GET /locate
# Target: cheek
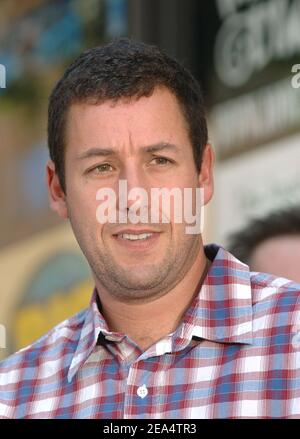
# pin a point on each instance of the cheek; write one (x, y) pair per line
(178, 232)
(83, 205)
(190, 202)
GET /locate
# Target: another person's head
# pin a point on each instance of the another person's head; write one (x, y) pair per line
(127, 111)
(271, 244)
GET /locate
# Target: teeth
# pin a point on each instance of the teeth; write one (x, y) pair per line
(135, 237)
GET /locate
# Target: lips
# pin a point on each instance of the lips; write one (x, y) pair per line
(135, 232)
(135, 236)
(137, 239)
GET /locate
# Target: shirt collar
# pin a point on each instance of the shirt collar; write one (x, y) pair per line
(221, 311)
(94, 324)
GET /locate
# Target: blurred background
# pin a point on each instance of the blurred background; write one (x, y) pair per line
(242, 52)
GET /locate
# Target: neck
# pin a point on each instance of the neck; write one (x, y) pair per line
(146, 323)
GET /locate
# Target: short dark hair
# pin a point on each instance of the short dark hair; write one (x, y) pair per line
(123, 69)
(279, 223)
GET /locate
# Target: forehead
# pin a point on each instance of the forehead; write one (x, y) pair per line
(277, 252)
(136, 122)
(278, 255)
(281, 244)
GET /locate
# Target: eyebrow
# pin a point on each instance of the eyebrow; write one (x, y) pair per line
(104, 152)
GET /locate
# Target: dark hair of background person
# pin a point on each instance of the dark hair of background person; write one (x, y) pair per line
(279, 223)
(123, 69)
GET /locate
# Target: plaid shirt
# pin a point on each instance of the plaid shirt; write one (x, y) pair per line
(235, 354)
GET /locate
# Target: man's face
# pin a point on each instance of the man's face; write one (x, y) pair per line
(109, 142)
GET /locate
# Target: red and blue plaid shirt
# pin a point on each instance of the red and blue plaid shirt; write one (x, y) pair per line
(235, 354)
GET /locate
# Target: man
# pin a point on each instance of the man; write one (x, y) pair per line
(271, 244)
(174, 329)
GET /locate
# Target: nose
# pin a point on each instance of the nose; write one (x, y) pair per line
(134, 181)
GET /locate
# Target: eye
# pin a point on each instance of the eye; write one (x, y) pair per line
(161, 160)
(101, 169)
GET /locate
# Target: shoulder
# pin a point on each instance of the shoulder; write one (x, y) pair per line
(276, 300)
(60, 340)
(267, 287)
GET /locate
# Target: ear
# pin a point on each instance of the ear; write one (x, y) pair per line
(57, 197)
(206, 179)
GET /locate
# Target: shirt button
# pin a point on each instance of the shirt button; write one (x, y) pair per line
(142, 391)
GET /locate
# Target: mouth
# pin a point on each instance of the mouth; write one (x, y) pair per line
(133, 239)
